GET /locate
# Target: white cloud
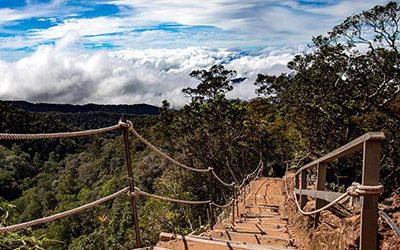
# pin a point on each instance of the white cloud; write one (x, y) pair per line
(63, 73)
(55, 7)
(233, 23)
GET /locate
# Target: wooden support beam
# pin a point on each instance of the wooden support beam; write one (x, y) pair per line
(303, 183)
(135, 218)
(369, 209)
(319, 194)
(354, 145)
(321, 182)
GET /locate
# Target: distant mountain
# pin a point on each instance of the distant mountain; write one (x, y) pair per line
(136, 109)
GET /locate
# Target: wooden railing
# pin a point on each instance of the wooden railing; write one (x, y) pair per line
(370, 144)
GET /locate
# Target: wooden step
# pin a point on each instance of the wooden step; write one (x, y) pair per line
(192, 242)
(256, 227)
(257, 239)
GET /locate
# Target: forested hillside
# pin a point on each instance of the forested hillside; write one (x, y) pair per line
(136, 109)
(348, 84)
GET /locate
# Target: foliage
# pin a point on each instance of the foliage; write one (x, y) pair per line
(348, 85)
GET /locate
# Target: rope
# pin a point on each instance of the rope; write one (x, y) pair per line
(6, 136)
(390, 222)
(250, 176)
(140, 192)
(286, 189)
(54, 217)
(220, 180)
(223, 206)
(355, 190)
(162, 154)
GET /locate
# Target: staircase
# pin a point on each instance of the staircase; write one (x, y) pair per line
(259, 226)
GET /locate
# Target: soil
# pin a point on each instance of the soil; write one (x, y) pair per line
(334, 232)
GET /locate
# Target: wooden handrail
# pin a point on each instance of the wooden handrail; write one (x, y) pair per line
(370, 144)
(354, 145)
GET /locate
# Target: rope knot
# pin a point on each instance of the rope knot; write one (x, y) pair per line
(135, 193)
(123, 124)
(356, 189)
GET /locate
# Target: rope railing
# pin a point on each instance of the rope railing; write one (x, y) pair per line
(58, 216)
(8, 136)
(223, 206)
(220, 180)
(162, 154)
(159, 197)
(355, 190)
(257, 171)
(124, 125)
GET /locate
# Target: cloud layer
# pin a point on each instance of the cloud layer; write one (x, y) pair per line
(63, 73)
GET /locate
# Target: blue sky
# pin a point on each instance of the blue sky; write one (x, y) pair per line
(161, 37)
(111, 24)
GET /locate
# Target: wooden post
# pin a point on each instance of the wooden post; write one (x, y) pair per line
(303, 183)
(237, 201)
(212, 219)
(369, 209)
(233, 203)
(321, 182)
(131, 183)
(296, 183)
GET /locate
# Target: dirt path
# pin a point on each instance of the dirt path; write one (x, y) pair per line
(260, 225)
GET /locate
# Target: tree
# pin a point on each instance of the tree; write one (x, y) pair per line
(347, 85)
(214, 83)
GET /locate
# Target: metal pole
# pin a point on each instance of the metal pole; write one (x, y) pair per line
(135, 220)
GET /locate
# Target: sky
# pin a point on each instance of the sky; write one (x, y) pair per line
(137, 51)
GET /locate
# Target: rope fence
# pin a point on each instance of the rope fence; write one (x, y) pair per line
(355, 190)
(159, 197)
(58, 216)
(162, 154)
(223, 206)
(132, 191)
(220, 180)
(7, 136)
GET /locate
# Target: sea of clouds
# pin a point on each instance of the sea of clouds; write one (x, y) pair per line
(63, 73)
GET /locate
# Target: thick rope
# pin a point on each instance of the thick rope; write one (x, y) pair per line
(162, 154)
(355, 190)
(223, 206)
(6, 136)
(249, 177)
(220, 180)
(140, 192)
(54, 217)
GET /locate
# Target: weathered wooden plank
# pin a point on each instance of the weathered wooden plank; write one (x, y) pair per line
(303, 185)
(369, 209)
(214, 241)
(319, 194)
(354, 145)
(321, 182)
